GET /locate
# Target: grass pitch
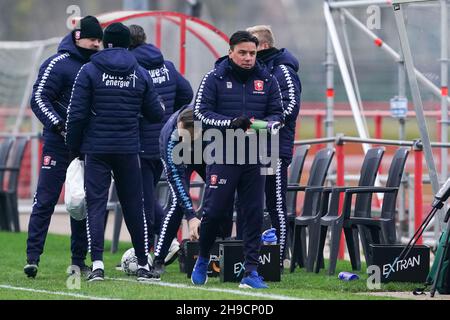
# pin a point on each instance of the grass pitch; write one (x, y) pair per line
(51, 281)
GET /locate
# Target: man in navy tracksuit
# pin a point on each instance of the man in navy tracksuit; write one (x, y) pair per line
(175, 91)
(238, 89)
(109, 95)
(49, 101)
(178, 175)
(283, 66)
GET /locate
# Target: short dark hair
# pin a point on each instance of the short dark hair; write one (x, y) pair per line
(242, 36)
(137, 36)
(186, 117)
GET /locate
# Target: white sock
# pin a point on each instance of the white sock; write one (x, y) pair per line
(144, 267)
(98, 264)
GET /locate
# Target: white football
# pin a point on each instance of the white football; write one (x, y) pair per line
(129, 262)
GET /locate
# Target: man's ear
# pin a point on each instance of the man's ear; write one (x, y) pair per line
(229, 51)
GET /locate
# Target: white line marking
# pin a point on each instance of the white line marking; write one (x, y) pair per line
(238, 292)
(59, 293)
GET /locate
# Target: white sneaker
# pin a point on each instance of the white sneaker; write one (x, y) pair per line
(173, 252)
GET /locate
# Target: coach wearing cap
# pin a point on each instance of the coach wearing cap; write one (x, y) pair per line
(49, 101)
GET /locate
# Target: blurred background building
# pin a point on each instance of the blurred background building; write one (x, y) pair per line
(298, 25)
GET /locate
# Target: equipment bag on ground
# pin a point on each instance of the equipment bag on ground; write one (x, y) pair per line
(74, 197)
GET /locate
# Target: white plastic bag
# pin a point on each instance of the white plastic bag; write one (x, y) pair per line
(74, 196)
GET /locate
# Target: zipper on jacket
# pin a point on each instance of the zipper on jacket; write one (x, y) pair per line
(243, 98)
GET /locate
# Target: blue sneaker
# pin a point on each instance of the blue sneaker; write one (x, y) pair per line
(199, 275)
(253, 281)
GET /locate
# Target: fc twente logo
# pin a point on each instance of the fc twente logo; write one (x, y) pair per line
(259, 85)
(47, 160)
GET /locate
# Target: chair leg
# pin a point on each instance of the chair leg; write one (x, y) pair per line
(313, 246)
(336, 231)
(320, 260)
(15, 212)
(289, 241)
(375, 234)
(298, 248)
(351, 246)
(3, 216)
(366, 240)
(295, 247)
(302, 258)
(357, 249)
(388, 233)
(117, 227)
(8, 212)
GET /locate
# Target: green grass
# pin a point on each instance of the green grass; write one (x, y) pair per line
(52, 277)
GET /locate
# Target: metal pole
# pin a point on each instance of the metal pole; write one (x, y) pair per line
(360, 3)
(183, 46)
(415, 92)
(444, 96)
(158, 31)
(402, 136)
(411, 211)
(329, 67)
(352, 67)
(345, 75)
(340, 182)
(318, 121)
(386, 48)
(418, 194)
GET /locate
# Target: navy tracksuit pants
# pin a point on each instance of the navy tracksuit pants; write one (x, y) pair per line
(276, 187)
(151, 173)
(128, 180)
(275, 194)
(172, 219)
(221, 183)
(51, 179)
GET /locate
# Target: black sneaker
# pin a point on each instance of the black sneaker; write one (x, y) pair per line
(96, 275)
(144, 275)
(84, 270)
(159, 267)
(31, 269)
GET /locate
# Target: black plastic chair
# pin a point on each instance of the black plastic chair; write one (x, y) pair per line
(368, 173)
(294, 175)
(8, 196)
(382, 229)
(362, 217)
(162, 191)
(317, 175)
(5, 147)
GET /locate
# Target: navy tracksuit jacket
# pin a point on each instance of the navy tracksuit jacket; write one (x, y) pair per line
(175, 91)
(178, 177)
(49, 101)
(221, 97)
(284, 67)
(109, 95)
